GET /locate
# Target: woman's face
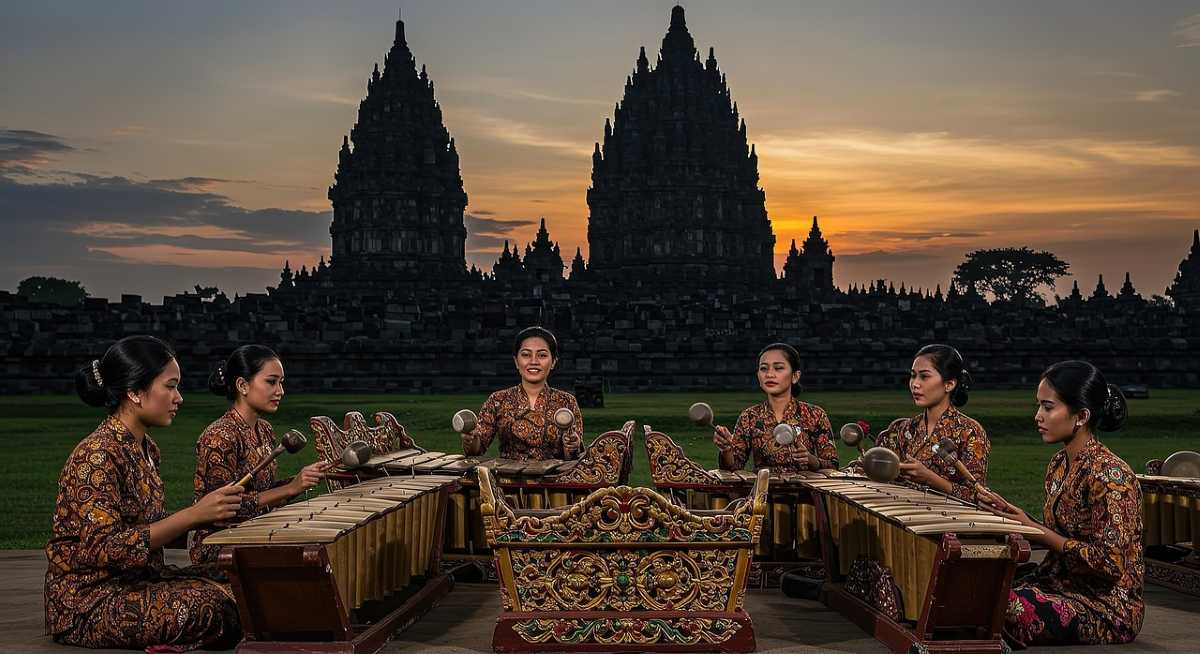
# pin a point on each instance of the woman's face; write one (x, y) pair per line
(533, 360)
(265, 390)
(1055, 420)
(926, 384)
(775, 374)
(157, 404)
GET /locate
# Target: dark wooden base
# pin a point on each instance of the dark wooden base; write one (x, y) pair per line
(470, 568)
(896, 636)
(1182, 576)
(373, 637)
(769, 574)
(642, 631)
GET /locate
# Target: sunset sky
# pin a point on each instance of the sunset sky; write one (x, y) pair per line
(149, 146)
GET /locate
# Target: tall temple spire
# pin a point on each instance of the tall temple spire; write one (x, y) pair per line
(400, 40)
(1185, 288)
(677, 169)
(397, 195)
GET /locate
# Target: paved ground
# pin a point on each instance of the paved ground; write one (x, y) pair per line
(463, 621)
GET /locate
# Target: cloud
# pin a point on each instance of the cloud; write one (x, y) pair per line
(109, 231)
(515, 132)
(487, 235)
(1187, 32)
(1155, 95)
(512, 89)
(20, 149)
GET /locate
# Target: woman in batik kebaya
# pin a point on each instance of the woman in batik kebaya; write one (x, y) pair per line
(106, 583)
(1088, 589)
(230, 447)
(939, 384)
(522, 417)
(753, 435)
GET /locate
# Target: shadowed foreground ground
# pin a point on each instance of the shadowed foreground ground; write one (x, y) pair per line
(463, 621)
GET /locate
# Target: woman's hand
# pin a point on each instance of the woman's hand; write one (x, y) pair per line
(572, 442)
(723, 439)
(805, 457)
(309, 476)
(913, 470)
(470, 445)
(221, 504)
(1005, 509)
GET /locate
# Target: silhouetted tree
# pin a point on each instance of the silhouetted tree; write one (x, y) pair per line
(52, 290)
(1010, 274)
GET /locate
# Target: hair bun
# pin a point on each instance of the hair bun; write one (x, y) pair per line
(217, 383)
(89, 384)
(1115, 411)
(962, 391)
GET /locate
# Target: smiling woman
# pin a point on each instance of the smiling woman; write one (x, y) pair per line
(524, 416)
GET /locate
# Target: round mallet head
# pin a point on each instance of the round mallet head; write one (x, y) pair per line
(293, 441)
(947, 450)
(1182, 464)
(701, 414)
(464, 421)
(881, 464)
(564, 418)
(852, 434)
(784, 434)
(356, 454)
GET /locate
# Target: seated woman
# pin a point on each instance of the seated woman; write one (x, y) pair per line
(1088, 589)
(235, 443)
(106, 583)
(523, 416)
(813, 448)
(939, 384)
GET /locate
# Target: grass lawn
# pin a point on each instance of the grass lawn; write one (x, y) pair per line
(40, 431)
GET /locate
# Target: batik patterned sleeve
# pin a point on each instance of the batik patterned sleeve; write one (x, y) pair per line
(489, 418)
(974, 447)
(822, 440)
(105, 541)
(217, 464)
(1116, 506)
(743, 436)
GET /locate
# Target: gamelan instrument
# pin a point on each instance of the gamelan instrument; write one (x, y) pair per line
(622, 570)
(919, 570)
(1171, 521)
(342, 571)
(292, 442)
(551, 483)
(789, 540)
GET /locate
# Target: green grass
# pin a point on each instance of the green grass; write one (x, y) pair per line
(39, 432)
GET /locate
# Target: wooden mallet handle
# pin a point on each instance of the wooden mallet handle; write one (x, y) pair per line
(948, 451)
(292, 442)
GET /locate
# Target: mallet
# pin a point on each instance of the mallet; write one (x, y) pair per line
(881, 464)
(356, 454)
(292, 442)
(701, 415)
(784, 433)
(853, 434)
(464, 421)
(948, 451)
(564, 418)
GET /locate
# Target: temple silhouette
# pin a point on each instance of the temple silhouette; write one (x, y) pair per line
(680, 290)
